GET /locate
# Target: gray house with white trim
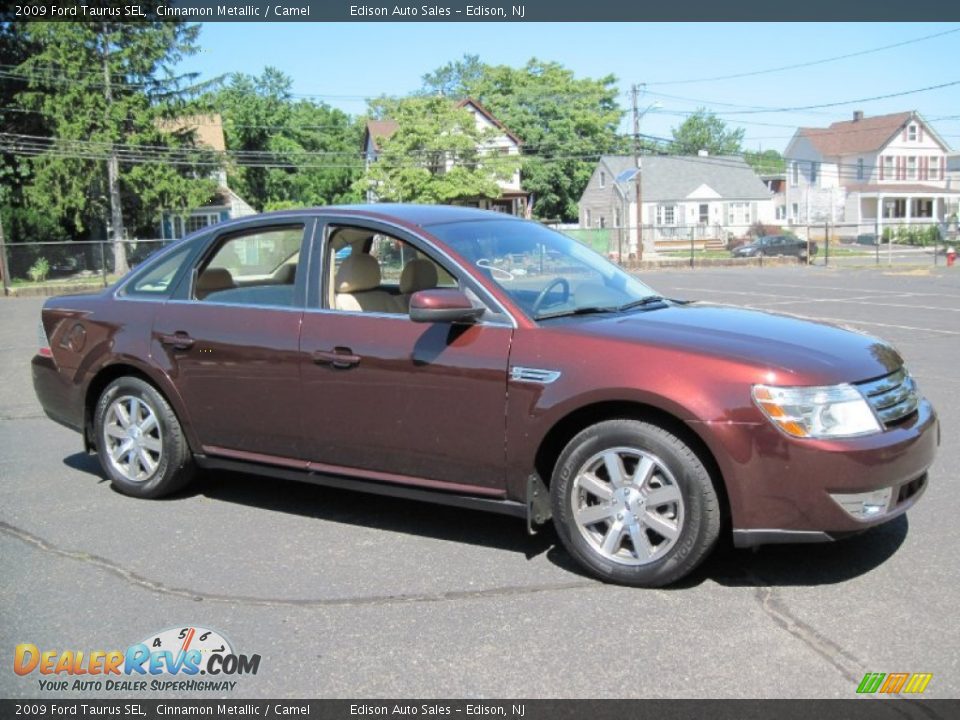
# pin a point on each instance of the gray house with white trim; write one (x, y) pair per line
(707, 198)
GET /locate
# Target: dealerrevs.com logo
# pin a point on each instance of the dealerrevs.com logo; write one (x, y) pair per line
(172, 660)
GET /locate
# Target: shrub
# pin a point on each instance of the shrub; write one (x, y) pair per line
(39, 270)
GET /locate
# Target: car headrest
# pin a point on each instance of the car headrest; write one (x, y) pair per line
(212, 280)
(359, 272)
(418, 274)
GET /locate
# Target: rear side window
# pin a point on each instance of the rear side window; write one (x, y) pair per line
(253, 268)
(158, 280)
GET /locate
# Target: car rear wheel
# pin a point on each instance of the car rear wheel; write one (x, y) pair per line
(634, 504)
(140, 443)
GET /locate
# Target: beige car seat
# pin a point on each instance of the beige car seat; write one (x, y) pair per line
(357, 286)
(418, 274)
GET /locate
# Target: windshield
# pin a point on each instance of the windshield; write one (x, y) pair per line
(546, 273)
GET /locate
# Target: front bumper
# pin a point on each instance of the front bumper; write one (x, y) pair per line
(795, 490)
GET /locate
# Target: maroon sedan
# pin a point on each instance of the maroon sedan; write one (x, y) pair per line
(474, 359)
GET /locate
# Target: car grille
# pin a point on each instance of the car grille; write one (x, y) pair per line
(894, 397)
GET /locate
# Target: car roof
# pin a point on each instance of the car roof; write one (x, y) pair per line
(421, 215)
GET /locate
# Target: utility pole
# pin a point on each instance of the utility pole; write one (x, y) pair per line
(635, 96)
(113, 166)
(4, 265)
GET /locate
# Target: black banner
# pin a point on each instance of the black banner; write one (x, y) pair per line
(863, 709)
(496, 11)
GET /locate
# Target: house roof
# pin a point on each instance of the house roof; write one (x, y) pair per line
(489, 116)
(675, 177)
(385, 128)
(861, 136)
(379, 129)
(208, 129)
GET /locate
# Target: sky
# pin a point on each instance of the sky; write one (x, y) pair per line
(343, 63)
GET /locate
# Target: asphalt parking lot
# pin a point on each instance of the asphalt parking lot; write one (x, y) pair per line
(347, 595)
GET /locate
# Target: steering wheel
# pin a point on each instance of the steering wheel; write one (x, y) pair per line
(562, 282)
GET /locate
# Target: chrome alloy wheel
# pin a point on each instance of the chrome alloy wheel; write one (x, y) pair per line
(627, 506)
(132, 438)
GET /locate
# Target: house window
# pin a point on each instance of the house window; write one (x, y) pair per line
(923, 208)
(795, 211)
(666, 214)
(888, 167)
(794, 173)
(814, 171)
(704, 213)
(195, 222)
(934, 167)
(912, 133)
(603, 222)
(617, 219)
(912, 168)
(859, 168)
(589, 222)
(781, 212)
(603, 179)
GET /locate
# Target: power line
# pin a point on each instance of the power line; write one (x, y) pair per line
(844, 102)
(810, 63)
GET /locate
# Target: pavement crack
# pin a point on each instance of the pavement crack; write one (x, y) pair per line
(156, 586)
(850, 666)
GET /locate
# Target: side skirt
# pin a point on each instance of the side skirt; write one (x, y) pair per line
(503, 507)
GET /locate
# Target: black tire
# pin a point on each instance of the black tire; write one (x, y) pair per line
(697, 516)
(174, 466)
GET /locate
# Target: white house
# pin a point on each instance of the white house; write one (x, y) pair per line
(512, 199)
(702, 198)
(868, 173)
(225, 203)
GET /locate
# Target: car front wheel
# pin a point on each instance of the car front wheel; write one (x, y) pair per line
(140, 443)
(634, 504)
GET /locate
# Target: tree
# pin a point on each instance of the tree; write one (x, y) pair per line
(566, 123)
(310, 152)
(767, 162)
(101, 89)
(435, 155)
(705, 131)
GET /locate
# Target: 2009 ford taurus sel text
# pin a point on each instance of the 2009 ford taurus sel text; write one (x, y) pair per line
(474, 359)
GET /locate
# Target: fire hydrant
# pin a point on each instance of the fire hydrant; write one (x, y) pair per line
(951, 256)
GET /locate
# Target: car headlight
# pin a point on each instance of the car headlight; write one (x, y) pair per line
(832, 411)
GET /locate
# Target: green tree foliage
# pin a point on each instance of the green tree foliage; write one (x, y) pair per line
(101, 89)
(705, 131)
(565, 123)
(312, 150)
(768, 162)
(435, 156)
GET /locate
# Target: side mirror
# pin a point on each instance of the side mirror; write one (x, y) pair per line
(443, 305)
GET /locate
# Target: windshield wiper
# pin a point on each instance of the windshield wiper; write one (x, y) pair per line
(648, 300)
(588, 310)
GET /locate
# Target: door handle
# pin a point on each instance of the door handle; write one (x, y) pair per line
(340, 357)
(178, 340)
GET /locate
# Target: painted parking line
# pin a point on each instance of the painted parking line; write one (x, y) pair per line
(853, 289)
(848, 321)
(864, 301)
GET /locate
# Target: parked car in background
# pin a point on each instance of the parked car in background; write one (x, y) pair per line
(866, 239)
(477, 360)
(776, 245)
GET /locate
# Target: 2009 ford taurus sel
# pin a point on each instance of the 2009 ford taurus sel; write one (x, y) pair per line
(474, 359)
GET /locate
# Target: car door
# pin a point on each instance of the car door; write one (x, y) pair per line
(229, 339)
(419, 403)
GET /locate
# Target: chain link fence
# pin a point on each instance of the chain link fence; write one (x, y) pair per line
(917, 243)
(68, 264)
(90, 263)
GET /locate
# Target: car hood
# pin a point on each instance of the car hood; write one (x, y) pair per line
(812, 352)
